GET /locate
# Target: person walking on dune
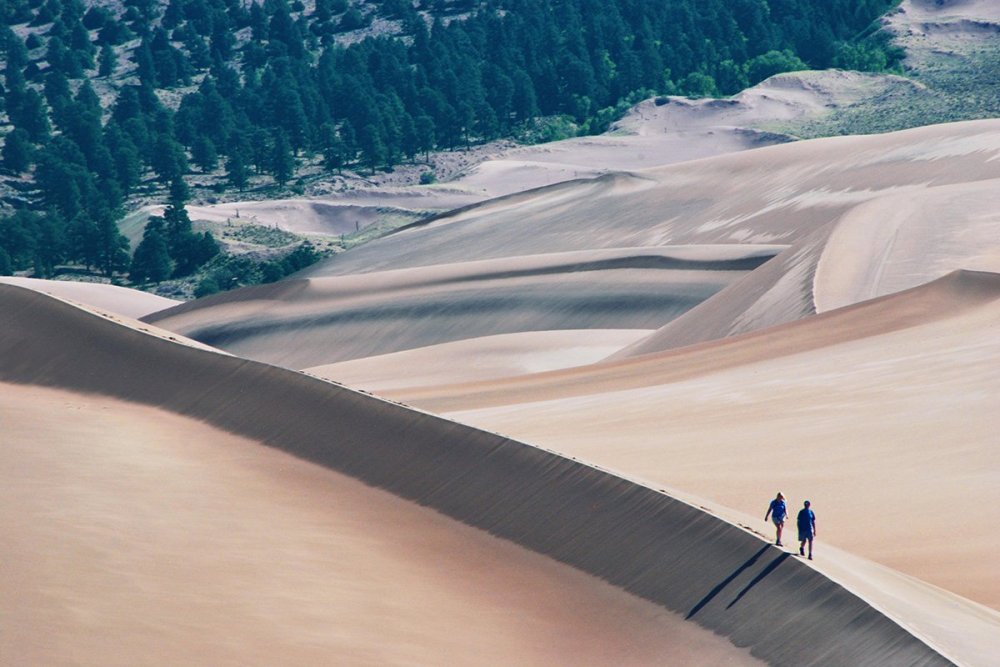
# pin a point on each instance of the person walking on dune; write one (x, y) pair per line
(806, 523)
(777, 511)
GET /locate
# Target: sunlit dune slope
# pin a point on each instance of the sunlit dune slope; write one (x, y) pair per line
(135, 536)
(640, 539)
(775, 195)
(477, 359)
(883, 413)
(882, 246)
(300, 324)
(121, 300)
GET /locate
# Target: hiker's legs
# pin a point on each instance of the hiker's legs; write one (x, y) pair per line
(778, 526)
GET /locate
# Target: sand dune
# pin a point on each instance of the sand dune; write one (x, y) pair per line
(135, 536)
(635, 537)
(774, 195)
(128, 302)
(324, 320)
(479, 359)
(883, 413)
(907, 207)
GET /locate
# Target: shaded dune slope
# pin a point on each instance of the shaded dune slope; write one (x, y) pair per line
(886, 419)
(944, 298)
(720, 576)
(300, 324)
(121, 300)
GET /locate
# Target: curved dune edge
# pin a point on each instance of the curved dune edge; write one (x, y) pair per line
(944, 297)
(305, 323)
(122, 300)
(642, 540)
(478, 359)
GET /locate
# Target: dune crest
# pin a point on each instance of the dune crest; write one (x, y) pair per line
(635, 537)
(329, 319)
(863, 409)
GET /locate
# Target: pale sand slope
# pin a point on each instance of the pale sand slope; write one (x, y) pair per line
(301, 324)
(886, 245)
(314, 217)
(656, 132)
(128, 302)
(883, 413)
(668, 130)
(477, 359)
(776, 195)
(135, 536)
(718, 575)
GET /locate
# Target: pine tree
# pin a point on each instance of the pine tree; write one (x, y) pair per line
(108, 61)
(236, 171)
(282, 161)
(18, 151)
(151, 261)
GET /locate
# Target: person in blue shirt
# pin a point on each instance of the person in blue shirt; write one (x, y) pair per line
(806, 522)
(778, 511)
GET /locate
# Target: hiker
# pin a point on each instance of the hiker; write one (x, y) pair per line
(777, 510)
(806, 522)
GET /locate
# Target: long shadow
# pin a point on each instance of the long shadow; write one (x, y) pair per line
(756, 580)
(725, 582)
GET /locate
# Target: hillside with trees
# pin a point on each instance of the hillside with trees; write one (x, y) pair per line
(105, 104)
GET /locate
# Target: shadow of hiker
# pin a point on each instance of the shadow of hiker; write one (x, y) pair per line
(725, 582)
(756, 580)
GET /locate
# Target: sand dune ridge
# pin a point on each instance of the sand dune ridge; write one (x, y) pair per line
(720, 576)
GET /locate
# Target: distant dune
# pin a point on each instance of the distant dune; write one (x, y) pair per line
(883, 413)
(300, 324)
(858, 217)
(128, 302)
(716, 574)
(694, 320)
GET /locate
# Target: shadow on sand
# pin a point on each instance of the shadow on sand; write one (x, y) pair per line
(772, 566)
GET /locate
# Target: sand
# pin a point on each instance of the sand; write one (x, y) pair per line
(322, 320)
(882, 413)
(134, 536)
(718, 575)
(128, 302)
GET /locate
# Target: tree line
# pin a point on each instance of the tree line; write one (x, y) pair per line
(254, 89)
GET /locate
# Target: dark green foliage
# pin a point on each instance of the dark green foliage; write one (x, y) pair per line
(501, 68)
(282, 162)
(107, 62)
(771, 63)
(236, 171)
(229, 272)
(33, 241)
(18, 151)
(151, 261)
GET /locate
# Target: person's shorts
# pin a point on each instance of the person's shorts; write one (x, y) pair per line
(777, 521)
(805, 534)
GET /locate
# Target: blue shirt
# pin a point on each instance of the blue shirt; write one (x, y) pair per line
(778, 510)
(806, 519)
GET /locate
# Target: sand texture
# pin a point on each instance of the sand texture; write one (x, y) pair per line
(322, 320)
(716, 574)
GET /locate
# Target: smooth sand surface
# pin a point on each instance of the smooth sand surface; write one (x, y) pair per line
(122, 300)
(478, 359)
(135, 536)
(656, 132)
(883, 414)
(718, 575)
(302, 324)
(773, 195)
(858, 217)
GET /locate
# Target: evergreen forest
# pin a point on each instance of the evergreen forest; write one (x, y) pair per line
(104, 103)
